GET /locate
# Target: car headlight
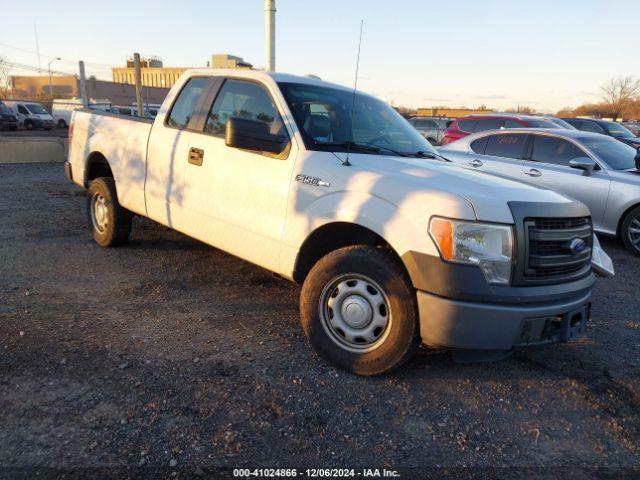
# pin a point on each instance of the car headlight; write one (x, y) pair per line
(489, 246)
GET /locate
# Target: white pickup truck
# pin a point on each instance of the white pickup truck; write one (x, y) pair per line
(332, 189)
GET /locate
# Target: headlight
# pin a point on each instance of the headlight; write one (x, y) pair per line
(486, 245)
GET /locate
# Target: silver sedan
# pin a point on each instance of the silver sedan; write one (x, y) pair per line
(596, 169)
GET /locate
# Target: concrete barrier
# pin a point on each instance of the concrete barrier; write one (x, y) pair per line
(32, 149)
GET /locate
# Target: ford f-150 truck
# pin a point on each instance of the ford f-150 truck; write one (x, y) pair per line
(332, 189)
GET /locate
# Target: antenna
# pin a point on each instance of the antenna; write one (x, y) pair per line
(353, 100)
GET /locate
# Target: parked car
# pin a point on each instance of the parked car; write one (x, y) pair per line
(8, 120)
(632, 126)
(464, 126)
(560, 123)
(62, 109)
(431, 128)
(150, 111)
(605, 127)
(392, 244)
(597, 170)
(30, 115)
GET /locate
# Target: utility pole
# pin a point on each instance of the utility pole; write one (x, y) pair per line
(83, 86)
(49, 66)
(138, 75)
(270, 33)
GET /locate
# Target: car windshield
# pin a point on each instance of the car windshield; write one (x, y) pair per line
(617, 130)
(617, 155)
(36, 109)
(323, 116)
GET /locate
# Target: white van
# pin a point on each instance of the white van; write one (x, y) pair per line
(30, 115)
(62, 109)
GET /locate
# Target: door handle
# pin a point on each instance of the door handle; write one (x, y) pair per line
(533, 172)
(475, 163)
(196, 156)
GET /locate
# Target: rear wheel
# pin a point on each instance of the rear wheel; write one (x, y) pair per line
(110, 223)
(62, 124)
(630, 231)
(28, 124)
(358, 309)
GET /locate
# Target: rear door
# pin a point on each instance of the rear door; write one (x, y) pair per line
(499, 153)
(172, 138)
(547, 164)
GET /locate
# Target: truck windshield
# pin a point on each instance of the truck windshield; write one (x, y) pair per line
(36, 109)
(323, 116)
(617, 155)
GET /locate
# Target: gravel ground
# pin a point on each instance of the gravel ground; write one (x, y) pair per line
(168, 354)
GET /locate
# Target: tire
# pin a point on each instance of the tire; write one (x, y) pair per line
(28, 125)
(62, 124)
(334, 312)
(630, 231)
(109, 222)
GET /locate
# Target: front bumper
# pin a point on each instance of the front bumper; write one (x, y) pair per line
(452, 323)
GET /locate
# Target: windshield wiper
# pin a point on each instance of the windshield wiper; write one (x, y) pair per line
(364, 147)
(431, 155)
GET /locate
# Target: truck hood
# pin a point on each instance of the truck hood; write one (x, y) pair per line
(488, 194)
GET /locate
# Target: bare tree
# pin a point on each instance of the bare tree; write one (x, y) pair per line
(5, 78)
(618, 93)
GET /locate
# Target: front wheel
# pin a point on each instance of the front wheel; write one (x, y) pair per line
(62, 124)
(630, 231)
(110, 223)
(359, 310)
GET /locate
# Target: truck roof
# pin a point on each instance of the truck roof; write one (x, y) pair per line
(260, 74)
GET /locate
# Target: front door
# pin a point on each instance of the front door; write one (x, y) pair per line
(237, 199)
(548, 165)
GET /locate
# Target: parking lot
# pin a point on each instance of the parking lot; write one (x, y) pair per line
(169, 353)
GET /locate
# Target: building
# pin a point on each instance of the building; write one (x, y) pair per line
(154, 74)
(37, 87)
(450, 112)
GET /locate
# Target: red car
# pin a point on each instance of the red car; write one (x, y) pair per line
(478, 123)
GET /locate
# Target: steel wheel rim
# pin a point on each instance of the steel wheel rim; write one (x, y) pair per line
(355, 313)
(99, 212)
(633, 232)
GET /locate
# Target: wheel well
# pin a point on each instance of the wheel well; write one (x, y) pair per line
(623, 216)
(331, 237)
(97, 166)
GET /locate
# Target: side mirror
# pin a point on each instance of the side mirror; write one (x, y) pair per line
(637, 159)
(583, 163)
(252, 135)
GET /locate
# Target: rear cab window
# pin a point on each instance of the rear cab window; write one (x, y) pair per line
(184, 107)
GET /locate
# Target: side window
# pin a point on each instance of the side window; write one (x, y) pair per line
(488, 124)
(243, 100)
(468, 126)
(512, 124)
(478, 146)
(506, 146)
(591, 127)
(554, 150)
(185, 105)
(23, 110)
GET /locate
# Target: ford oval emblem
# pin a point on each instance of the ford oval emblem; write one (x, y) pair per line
(577, 246)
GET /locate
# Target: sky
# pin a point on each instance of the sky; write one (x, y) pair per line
(417, 53)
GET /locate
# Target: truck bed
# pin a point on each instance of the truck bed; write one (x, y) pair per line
(120, 139)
